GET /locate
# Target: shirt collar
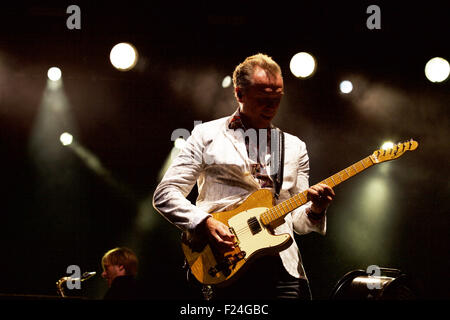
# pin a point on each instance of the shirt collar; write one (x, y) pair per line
(237, 123)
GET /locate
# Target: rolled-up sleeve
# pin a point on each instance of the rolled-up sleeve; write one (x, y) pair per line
(169, 198)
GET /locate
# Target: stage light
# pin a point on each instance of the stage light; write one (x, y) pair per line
(179, 143)
(346, 86)
(226, 82)
(390, 284)
(387, 145)
(66, 139)
(123, 56)
(302, 65)
(54, 73)
(437, 69)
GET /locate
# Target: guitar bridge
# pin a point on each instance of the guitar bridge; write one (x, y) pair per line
(224, 266)
(236, 239)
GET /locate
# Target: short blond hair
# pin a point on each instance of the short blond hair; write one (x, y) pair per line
(242, 75)
(121, 256)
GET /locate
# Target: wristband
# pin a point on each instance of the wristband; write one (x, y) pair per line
(315, 216)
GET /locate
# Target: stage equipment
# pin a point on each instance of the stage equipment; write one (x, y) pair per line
(390, 284)
(61, 282)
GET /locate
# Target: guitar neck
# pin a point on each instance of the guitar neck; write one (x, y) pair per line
(283, 208)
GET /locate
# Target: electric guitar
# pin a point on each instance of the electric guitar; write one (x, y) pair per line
(253, 221)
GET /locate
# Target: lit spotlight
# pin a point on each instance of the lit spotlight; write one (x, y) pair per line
(66, 139)
(302, 65)
(179, 143)
(226, 82)
(346, 86)
(437, 69)
(54, 73)
(123, 56)
(387, 145)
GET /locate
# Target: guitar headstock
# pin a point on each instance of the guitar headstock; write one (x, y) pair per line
(395, 152)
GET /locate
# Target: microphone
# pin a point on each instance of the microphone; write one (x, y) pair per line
(63, 280)
(83, 277)
(87, 275)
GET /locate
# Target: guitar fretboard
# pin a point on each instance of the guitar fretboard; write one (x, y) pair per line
(283, 208)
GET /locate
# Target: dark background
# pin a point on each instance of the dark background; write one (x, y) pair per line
(58, 211)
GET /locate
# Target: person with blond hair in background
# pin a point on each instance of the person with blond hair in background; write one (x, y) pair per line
(120, 266)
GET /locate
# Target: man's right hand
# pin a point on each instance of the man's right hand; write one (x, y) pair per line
(220, 233)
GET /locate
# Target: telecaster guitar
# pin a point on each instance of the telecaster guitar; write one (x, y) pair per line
(253, 221)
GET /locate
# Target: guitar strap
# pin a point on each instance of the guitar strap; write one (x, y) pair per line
(277, 162)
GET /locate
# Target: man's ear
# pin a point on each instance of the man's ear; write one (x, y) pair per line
(238, 94)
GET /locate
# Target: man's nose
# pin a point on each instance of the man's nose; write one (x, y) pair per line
(273, 102)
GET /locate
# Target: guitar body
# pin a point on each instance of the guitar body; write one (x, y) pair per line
(212, 267)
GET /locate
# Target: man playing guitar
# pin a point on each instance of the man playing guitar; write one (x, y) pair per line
(229, 159)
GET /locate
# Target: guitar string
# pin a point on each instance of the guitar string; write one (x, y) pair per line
(246, 228)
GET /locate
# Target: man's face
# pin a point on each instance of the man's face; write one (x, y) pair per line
(261, 100)
(110, 272)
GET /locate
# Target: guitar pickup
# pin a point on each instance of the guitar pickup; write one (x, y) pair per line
(224, 266)
(254, 225)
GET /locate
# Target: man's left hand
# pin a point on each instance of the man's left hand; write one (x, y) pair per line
(321, 196)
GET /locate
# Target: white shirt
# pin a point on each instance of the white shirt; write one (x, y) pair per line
(215, 157)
